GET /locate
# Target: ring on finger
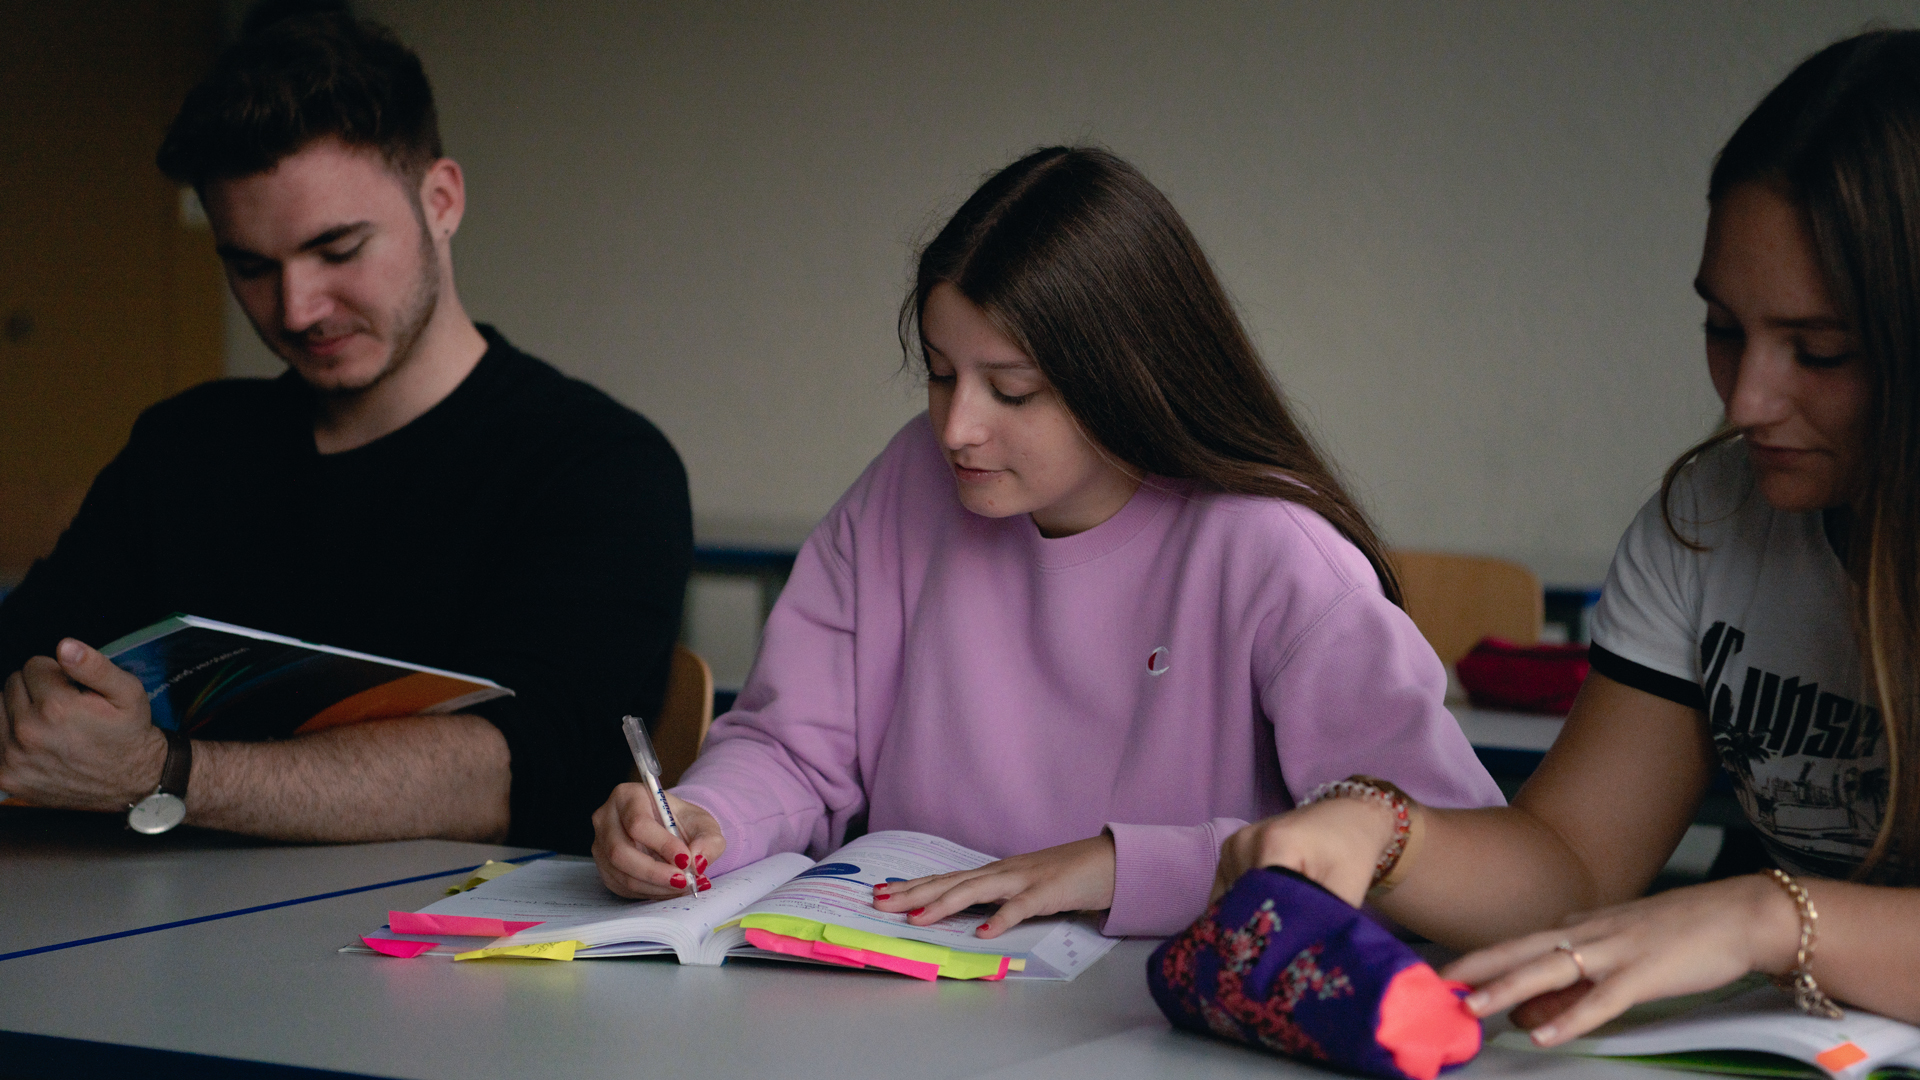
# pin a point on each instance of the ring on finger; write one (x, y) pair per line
(1573, 954)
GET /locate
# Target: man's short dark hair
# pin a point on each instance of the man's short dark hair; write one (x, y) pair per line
(301, 72)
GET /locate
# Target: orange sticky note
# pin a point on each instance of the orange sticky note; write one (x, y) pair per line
(1838, 1058)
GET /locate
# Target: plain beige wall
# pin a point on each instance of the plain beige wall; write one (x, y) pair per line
(1463, 234)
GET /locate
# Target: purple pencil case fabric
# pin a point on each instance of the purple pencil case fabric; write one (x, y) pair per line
(1281, 964)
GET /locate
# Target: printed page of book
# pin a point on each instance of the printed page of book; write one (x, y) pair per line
(1750, 1015)
(568, 899)
(839, 891)
(1900, 1065)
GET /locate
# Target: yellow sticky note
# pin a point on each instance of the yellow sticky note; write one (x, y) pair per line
(961, 965)
(487, 872)
(546, 950)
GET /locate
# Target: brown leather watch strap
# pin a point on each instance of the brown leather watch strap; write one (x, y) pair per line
(179, 766)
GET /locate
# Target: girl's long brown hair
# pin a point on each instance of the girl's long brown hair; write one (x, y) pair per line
(1086, 266)
(1841, 139)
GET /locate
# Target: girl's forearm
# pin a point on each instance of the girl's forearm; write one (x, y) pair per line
(1475, 877)
(1867, 948)
(1592, 827)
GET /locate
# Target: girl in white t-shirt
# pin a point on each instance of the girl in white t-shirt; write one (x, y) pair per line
(1762, 617)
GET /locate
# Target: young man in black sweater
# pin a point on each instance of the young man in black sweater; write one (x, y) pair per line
(414, 487)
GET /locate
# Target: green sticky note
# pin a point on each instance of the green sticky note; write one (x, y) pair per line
(953, 963)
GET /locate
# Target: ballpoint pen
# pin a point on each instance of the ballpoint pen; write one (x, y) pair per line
(648, 763)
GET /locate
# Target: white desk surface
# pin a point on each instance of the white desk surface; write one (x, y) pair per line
(269, 988)
(1501, 730)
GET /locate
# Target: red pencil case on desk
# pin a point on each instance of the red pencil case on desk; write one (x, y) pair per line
(1530, 678)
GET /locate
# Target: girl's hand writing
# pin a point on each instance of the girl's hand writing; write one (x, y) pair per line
(1680, 942)
(1336, 842)
(639, 858)
(1071, 877)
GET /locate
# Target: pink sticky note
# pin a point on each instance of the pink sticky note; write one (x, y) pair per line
(419, 922)
(915, 968)
(843, 955)
(405, 950)
(793, 946)
(839, 954)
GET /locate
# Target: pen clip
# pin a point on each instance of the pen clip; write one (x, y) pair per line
(641, 746)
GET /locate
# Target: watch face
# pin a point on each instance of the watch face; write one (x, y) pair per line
(156, 813)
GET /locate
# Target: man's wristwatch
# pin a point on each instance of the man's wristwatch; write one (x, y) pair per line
(167, 806)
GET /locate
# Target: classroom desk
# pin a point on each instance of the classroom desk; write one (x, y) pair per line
(267, 994)
(1509, 744)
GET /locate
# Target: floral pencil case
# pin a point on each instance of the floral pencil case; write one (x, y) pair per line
(1281, 964)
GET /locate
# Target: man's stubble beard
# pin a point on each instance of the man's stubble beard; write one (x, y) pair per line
(409, 324)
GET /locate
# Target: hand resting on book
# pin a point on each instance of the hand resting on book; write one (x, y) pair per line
(1682, 941)
(639, 859)
(75, 733)
(1070, 877)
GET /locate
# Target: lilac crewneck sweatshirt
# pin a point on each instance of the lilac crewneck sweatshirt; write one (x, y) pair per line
(1192, 663)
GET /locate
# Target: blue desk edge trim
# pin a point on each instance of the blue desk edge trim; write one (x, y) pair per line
(30, 1057)
(77, 942)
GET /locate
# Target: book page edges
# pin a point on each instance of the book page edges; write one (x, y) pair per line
(178, 622)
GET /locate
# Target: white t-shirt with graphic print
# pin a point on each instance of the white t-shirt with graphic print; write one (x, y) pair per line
(1756, 631)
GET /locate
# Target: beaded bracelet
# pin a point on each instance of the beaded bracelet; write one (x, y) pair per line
(1384, 793)
(1807, 995)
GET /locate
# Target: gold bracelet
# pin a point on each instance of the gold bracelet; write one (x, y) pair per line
(1807, 995)
(1397, 803)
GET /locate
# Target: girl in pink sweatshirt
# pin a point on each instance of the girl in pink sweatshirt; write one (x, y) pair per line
(1097, 608)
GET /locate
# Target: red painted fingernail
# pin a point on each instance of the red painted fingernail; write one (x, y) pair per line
(982, 926)
(700, 863)
(704, 885)
(915, 911)
(680, 860)
(679, 881)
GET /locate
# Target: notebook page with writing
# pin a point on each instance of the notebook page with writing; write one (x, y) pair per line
(568, 899)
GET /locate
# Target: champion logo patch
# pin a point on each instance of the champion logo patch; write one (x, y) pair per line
(1158, 662)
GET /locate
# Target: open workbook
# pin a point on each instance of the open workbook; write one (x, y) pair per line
(1749, 1029)
(777, 895)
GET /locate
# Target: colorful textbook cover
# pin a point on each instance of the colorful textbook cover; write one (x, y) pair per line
(214, 680)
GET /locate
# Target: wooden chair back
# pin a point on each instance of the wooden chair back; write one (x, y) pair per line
(1456, 600)
(685, 715)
